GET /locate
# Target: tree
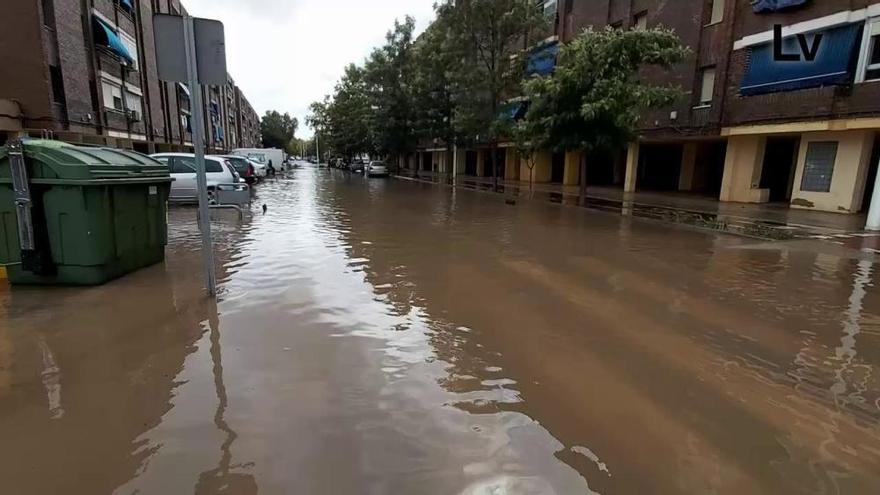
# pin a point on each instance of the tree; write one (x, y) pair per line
(349, 115)
(319, 120)
(388, 76)
(277, 130)
(593, 100)
(487, 36)
(433, 60)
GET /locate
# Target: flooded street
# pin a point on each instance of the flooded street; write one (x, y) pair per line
(386, 336)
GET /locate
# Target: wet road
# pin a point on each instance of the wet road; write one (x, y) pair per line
(393, 337)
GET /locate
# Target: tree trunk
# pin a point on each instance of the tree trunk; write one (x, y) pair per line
(582, 196)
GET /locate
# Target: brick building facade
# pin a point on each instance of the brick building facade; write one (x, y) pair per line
(748, 128)
(85, 71)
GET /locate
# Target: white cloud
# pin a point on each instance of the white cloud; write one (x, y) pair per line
(285, 54)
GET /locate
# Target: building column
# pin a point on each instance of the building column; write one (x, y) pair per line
(420, 163)
(874, 211)
(632, 167)
(742, 170)
(481, 163)
(572, 168)
(688, 162)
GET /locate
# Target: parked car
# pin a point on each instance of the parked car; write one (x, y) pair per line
(357, 166)
(377, 169)
(263, 155)
(246, 169)
(182, 167)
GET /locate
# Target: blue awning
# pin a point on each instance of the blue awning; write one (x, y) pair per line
(834, 63)
(128, 4)
(759, 6)
(542, 60)
(183, 89)
(106, 35)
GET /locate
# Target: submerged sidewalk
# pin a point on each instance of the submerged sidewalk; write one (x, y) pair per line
(767, 221)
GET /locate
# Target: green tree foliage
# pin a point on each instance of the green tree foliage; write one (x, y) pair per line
(592, 102)
(277, 130)
(319, 120)
(487, 41)
(389, 75)
(433, 58)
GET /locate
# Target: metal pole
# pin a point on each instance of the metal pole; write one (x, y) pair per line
(317, 147)
(874, 211)
(199, 144)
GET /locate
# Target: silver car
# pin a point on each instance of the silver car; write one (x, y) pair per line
(182, 167)
(377, 169)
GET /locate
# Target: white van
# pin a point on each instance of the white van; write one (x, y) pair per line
(263, 155)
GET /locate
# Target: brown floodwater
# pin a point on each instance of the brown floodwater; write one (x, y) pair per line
(390, 337)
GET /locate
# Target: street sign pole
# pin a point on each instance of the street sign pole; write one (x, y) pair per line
(198, 137)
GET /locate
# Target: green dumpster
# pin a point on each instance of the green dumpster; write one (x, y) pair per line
(88, 214)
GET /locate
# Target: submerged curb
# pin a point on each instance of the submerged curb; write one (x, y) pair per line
(756, 229)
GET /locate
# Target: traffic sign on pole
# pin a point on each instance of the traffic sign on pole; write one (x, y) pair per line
(193, 51)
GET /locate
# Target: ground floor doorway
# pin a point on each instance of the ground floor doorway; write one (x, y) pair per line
(778, 170)
(709, 168)
(557, 168)
(659, 167)
(470, 163)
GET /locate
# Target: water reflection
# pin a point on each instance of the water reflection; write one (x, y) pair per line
(390, 337)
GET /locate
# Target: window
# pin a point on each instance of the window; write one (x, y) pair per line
(187, 165)
(640, 21)
(213, 167)
(57, 85)
(131, 45)
(162, 159)
(819, 166)
(550, 7)
(127, 6)
(112, 95)
(48, 13)
(871, 56)
(707, 89)
(717, 11)
(183, 165)
(133, 102)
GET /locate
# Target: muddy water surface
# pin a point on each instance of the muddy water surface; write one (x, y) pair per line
(392, 337)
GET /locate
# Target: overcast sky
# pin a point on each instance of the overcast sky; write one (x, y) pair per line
(285, 54)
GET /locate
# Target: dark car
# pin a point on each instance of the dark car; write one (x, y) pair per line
(357, 166)
(243, 166)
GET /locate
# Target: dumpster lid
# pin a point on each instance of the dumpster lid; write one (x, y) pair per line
(50, 161)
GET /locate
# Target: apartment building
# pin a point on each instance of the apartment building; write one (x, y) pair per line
(800, 131)
(85, 72)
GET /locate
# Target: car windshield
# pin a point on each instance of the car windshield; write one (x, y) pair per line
(377, 164)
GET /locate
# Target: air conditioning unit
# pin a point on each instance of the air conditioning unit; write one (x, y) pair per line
(133, 116)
